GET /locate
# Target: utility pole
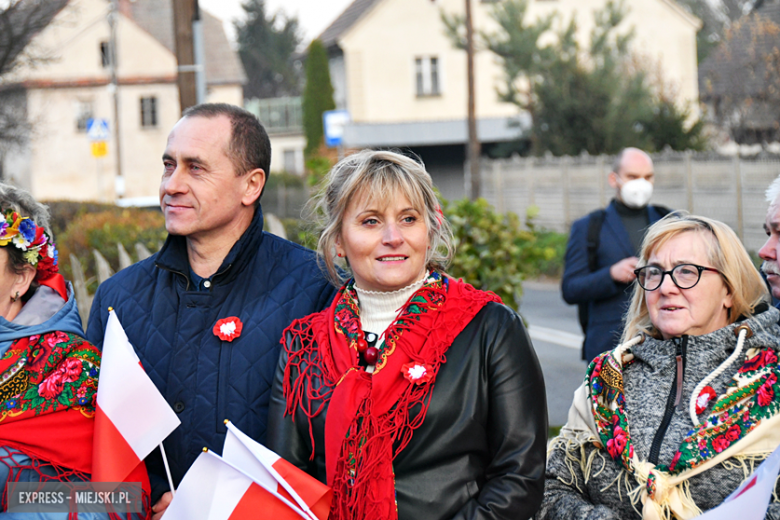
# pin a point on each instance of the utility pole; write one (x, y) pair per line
(184, 12)
(473, 150)
(113, 88)
(200, 54)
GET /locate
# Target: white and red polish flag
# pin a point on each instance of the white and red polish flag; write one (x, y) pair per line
(751, 499)
(131, 417)
(213, 489)
(273, 472)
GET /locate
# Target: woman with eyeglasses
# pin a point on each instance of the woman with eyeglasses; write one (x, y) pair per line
(670, 423)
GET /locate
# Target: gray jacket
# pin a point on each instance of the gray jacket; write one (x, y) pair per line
(647, 385)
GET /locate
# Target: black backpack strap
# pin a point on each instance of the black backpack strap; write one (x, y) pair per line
(594, 230)
(595, 220)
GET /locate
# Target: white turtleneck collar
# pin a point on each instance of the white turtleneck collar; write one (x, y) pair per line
(379, 309)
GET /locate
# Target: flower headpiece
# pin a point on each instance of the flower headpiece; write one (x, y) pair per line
(38, 247)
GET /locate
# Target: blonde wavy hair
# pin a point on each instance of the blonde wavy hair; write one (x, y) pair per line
(379, 176)
(725, 253)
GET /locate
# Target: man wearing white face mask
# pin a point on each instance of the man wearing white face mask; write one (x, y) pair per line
(602, 252)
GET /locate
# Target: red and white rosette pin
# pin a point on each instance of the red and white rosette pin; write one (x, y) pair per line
(228, 329)
(707, 394)
(417, 373)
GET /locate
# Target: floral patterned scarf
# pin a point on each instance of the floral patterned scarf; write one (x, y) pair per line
(47, 391)
(48, 386)
(752, 398)
(371, 417)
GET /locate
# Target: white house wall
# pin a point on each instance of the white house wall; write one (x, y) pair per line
(143, 147)
(74, 37)
(62, 161)
(664, 38)
(57, 163)
(287, 144)
(380, 49)
(62, 166)
(379, 53)
(230, 94)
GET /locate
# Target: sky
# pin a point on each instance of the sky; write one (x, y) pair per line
(314, 16)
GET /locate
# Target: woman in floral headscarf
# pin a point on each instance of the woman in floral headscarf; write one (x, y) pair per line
(670, 423)
(415, 395)
(48, 372)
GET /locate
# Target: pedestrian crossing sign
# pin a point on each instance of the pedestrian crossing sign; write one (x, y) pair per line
(97, 129)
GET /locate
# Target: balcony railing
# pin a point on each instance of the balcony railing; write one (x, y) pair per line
(282, 115)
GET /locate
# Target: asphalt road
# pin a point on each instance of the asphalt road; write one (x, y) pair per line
(557, 338)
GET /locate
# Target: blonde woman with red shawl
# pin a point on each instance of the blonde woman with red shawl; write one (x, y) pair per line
(415, 395)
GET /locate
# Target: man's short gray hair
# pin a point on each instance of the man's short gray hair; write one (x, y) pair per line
(773, 191)
(618, 160)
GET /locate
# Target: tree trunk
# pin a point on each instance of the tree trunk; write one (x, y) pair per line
(183, 14)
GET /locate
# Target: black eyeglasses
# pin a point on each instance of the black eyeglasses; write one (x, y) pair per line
(684, 276)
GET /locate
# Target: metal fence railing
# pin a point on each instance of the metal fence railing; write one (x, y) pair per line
(283, 115)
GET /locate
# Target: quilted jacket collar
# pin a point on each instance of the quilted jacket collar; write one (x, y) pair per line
(173, 255)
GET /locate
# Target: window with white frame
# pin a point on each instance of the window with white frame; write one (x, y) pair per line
(427, 76)
(148, 112)
(289, 161)
(84, 112)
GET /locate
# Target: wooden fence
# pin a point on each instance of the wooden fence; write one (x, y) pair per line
(730, 189)
(564, 189)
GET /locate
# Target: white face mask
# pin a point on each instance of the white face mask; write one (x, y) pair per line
(636, 193)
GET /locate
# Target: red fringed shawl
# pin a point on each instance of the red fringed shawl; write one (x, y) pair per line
(48, 385)
(371, 417)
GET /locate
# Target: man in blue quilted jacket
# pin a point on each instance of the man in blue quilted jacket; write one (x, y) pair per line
(206, 313)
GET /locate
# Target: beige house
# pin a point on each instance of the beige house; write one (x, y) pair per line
(404, 85)
(664, 38)
(73, 86)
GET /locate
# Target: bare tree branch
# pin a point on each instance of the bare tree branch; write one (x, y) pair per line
(20, 21)
(741, 78)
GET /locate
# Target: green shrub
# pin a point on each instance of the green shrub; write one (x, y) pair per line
(486, 244)
(318, 166)
(554, 246)
(103, 231)
(497, 252)
(300, 232)
(63, 212)
(543, 255)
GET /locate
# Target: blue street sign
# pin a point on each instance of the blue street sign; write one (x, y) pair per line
(97, 129)
(333, 122)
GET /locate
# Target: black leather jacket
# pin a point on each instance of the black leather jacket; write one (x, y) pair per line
(480, 453)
